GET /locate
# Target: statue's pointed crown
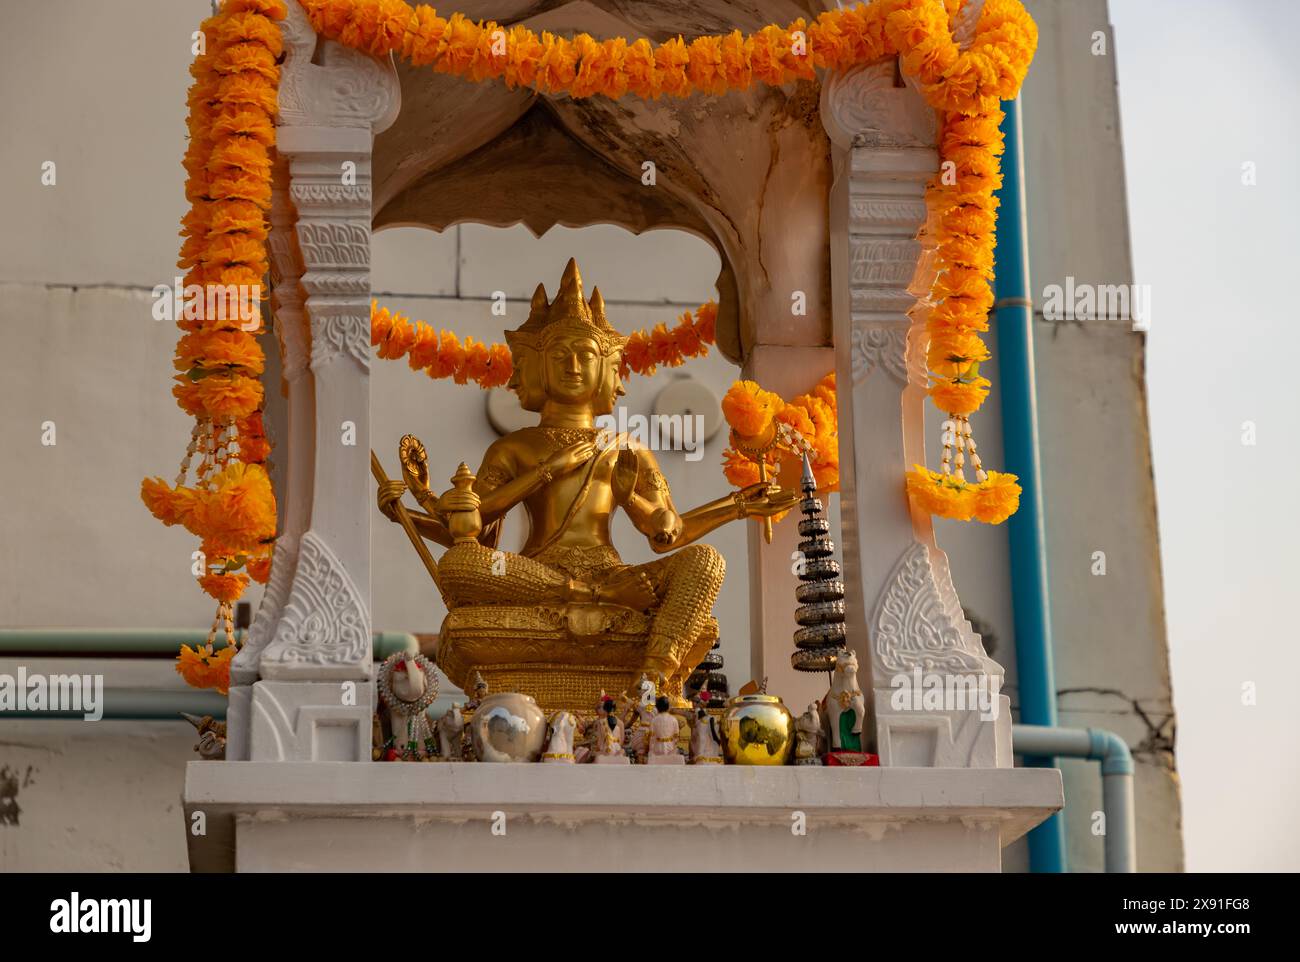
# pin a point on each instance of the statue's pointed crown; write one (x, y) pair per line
(569, 313)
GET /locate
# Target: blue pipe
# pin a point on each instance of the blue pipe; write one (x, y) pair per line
(1014, 320)
(1116, 760)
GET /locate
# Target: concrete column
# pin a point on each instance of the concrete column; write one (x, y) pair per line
(293, 455)
(312, 639)
(903, 613)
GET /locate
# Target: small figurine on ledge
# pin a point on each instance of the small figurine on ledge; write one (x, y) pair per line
(407, 685)
(480, 692)
(609, 735)
(705, 741)
(559, 744)
(451, 735)
(844, 710)
(637, 717)
(808, 734)
(212, 737)
(664, 730)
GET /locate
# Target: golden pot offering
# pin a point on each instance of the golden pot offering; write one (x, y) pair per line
(757, 730)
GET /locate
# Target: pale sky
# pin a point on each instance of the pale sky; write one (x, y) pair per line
(1205, 88)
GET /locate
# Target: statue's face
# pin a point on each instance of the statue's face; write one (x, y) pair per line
(573, 369)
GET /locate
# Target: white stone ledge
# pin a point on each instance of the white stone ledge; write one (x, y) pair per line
(341, 816)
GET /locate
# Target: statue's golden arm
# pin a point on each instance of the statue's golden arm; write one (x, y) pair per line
(430, 528)
(426, 525)
(499, 495)
(667, 531)
(498, 500)
(694, 524)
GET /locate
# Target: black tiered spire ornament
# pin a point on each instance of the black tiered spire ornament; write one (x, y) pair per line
(708, 672)
(820, 636)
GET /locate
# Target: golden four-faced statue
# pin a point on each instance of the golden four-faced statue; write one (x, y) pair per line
(565, 618)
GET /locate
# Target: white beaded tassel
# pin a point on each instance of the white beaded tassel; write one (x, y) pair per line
(949, 438)
(225, 436)
(960, 460)
(189, 454)
(222, 620)
(227, 613)
(980, 475)
(206, 450)
(217, 455)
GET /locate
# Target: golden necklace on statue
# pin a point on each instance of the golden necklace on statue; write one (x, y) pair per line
(565, 437)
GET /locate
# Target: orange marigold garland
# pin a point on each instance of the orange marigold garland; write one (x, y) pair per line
(227, 502)
(202, 667)
(809, 423)
(582, 66)
(441, 354)
(967, 87)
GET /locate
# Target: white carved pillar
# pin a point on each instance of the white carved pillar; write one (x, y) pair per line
(903, 612)
(311, 643)
(293, 455)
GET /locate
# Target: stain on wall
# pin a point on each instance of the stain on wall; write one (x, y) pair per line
(10, 784)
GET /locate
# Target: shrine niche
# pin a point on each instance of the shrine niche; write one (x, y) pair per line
(805, 145)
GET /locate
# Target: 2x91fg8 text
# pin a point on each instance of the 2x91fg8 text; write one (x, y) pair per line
(1196, 905)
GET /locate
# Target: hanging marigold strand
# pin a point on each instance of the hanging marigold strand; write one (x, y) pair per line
(963, 218)
(441, 354)
(229, 504)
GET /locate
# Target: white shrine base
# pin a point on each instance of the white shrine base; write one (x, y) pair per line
(341, 816)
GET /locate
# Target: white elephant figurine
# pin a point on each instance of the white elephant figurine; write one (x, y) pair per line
(407, 687)
(451, 734)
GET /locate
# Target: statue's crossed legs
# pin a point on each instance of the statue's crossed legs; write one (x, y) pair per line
(680, 588)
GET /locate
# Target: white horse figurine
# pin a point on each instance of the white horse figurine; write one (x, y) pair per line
(451, 734)
(559, 745)
(844, 698)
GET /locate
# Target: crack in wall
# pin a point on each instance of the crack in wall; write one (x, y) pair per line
(1158, 745)
(1162, 728)
(9, 785)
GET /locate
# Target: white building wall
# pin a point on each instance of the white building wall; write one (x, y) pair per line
(1110, 650)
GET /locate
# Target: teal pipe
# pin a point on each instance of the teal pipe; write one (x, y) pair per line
(139, 704)
(1117, 805)
(97, 642)
(1014, 320)
(391, 642)
(141, 642)
(128, 704)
